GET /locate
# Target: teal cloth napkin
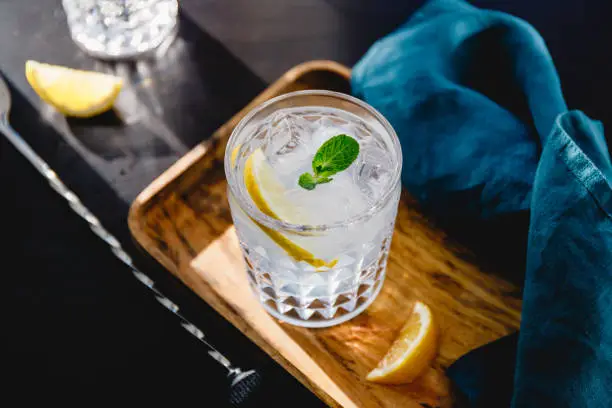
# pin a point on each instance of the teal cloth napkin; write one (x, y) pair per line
(477, 105)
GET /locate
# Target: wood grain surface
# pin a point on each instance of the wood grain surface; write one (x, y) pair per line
(183, 220)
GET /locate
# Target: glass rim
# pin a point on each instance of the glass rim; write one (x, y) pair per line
(247, 204)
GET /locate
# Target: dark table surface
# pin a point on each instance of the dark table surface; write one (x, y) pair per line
(81, 328)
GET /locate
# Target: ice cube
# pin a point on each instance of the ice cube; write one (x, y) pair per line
(328, 127)
(330, 202)
(289, 144)
(373, 172)
(287, 133)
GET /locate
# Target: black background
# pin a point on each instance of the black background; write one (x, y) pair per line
(80, 328)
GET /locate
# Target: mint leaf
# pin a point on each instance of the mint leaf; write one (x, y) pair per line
(334, 156)
(307, 181)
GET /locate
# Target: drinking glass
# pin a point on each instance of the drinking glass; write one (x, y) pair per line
(330, 266)
(118, 29)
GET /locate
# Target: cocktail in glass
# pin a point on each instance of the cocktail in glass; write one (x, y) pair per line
(315, 257)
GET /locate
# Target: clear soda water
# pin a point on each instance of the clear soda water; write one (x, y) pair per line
(349, 220)
(120, 28)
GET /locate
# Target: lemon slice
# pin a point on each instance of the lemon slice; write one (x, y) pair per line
(412, 352)
(73, 92)
(268, 194)
(266, 190)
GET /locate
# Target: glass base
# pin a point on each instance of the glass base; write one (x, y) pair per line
(318, 324)
(142, 50)
(323, 299)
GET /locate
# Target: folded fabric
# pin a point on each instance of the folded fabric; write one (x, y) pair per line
(477, 105)
(468, 91)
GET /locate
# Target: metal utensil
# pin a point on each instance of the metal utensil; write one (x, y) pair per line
(242, 382)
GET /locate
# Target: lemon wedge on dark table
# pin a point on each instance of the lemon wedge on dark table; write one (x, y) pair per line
(73, 92)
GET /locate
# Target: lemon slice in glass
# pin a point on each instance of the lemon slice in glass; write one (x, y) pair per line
(412, 352)
(268, 194)
(73, 92)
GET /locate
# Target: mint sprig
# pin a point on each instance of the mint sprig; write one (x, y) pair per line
(334, 156)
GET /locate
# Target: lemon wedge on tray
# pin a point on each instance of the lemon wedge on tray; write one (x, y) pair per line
(413, 350)
(268, 194)
(73, 92)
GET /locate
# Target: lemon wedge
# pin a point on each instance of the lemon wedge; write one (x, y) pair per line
(73, 92)
(268, 194)
(412, 351)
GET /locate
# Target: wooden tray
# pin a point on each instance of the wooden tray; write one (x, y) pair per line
(183, 220)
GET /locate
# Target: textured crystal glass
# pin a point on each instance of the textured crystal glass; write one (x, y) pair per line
(348, 222)
(117, 29)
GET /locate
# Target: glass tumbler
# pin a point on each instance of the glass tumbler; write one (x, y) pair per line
(329, 268)
(119, 29)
